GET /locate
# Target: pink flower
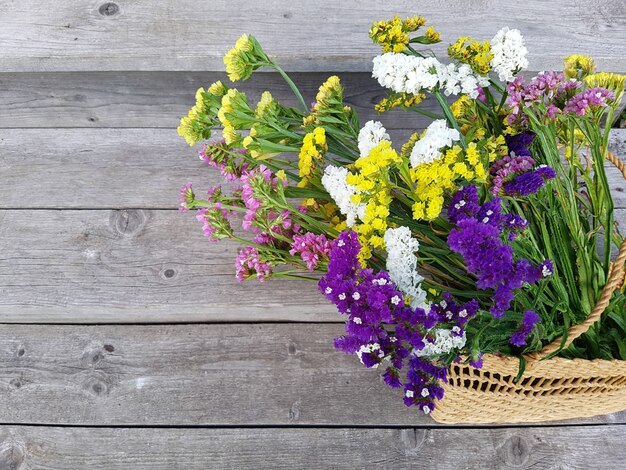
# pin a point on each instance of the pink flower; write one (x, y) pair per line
(310, 247)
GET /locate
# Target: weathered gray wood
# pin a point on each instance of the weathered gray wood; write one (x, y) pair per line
(128, 168)
(306, 36)
(132, 266)
(445, 449)
(232, 374)
(159, 99)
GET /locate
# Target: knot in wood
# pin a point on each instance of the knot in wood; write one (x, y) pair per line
(128, 222)
(109, 9)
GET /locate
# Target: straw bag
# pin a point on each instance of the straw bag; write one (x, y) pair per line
(552, 389)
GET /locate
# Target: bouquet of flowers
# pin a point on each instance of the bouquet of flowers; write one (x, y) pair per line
(490, 232)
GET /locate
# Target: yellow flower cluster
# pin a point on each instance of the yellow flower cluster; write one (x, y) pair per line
(244, 58)
(373, 189)
(476, 54)
(230, 101)
(393, 34)
(329, 100)
(329, 211)
(196, 126)
(578, 66)
(433, 180)
(611, 81)
(311, 154)
(405, 100)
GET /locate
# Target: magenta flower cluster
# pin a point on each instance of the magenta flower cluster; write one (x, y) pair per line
(585, 101)
(311, 248)
(478, 239)
(248, 264)
(549, 89)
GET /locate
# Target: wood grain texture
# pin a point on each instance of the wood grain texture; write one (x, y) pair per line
(190, 35)
(130, 168)
(133, 266)
(136, 266)
(201, 449)
(228, 374)
(159, 99)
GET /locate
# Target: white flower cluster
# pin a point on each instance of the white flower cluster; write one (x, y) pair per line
(370, 348)
(407, 74)
(438, 135)
(509, 53)
(461, 79)
(444, 343)
(370, 136)
(334, 180)
(410, 74)
(402, 264)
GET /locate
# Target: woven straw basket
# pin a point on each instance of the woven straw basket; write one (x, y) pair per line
(553, 389)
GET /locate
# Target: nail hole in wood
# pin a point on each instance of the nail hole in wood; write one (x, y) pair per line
(169, 273)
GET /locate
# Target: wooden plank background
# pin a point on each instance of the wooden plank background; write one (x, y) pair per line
(125, 341)
(307, 36)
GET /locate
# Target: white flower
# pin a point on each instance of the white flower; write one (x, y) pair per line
(334, 180)
(426, 409)
(438, 135)
(461, 79)
(357, 320)
(409, 394)
(407, 74)
(328, 290)
(370, 135)
(425, 392)
(370, 348)
(402, 265)
(444, 343)
(509, 53)
(356, 296)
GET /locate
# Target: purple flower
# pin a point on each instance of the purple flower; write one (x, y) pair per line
(530, 182)
(381, 326)
(478, 239)
(519, 143)
(529, 321)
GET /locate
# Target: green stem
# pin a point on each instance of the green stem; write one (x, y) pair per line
(449, 116)
(292, 85)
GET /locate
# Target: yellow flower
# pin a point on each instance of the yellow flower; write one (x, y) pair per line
(312, 151)
(578, 66)
(432, 36)
(280, 174)
(264, 105)
(393, 35)
(218, 89)
(474, 53)
(244, 58)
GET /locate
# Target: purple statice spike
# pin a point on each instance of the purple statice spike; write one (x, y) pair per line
(381, 326)
(478, 239)
(530, 182)
(464, 204)
(529, 321)
(519, 143)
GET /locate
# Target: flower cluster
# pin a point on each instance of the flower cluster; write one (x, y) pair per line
(434, 253)
(402, 265)
(509, 53)
(311, 155)
(478, 239)
(529, 321)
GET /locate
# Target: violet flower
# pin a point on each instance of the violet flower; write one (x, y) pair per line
(529, 321)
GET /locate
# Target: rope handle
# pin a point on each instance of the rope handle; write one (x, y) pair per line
(617, 273)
